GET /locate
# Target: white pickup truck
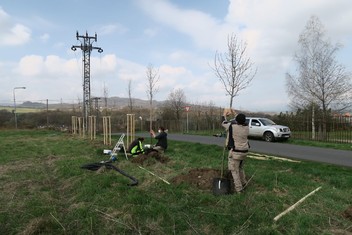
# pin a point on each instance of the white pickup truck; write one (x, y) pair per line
(267, 129)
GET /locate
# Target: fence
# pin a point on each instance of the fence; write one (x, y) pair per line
(337, 128)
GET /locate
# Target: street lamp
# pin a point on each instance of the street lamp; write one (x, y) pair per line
(14, 102)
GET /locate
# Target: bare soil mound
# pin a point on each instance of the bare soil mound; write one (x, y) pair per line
(201, 178)
(150, 158)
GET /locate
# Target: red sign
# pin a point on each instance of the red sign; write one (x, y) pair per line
(187, 108)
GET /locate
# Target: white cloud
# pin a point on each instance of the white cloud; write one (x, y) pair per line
(30, 66)
(12, 34)
(199, 26)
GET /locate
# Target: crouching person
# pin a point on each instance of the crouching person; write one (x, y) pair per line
(161, 137)
(136, 147)
(237, 143)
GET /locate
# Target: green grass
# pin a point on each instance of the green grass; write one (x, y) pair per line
(292, 140)
(21, 109)
(44, 191)
(341, 146)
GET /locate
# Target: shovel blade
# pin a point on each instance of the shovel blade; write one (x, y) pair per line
(221, 186)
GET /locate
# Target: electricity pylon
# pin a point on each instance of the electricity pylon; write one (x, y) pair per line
(86, 47)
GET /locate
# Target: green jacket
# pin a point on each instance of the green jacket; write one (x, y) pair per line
(136, 147)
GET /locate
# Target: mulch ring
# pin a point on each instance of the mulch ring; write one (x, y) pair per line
(150, 158)
(202, 178)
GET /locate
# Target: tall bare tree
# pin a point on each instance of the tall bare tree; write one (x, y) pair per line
(130, 99)
(152, 80)
(176, 101)
(321, 81)
(233, 68)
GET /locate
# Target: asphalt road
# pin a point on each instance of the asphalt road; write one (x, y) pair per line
(325, 155)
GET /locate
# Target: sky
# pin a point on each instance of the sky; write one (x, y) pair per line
(179, 38)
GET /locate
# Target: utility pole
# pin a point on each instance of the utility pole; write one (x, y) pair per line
(86, 47)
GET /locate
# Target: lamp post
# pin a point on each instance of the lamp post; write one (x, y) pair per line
(14, 102)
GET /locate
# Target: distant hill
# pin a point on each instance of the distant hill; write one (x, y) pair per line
(112, 102)
(119, 102)
(28, 104)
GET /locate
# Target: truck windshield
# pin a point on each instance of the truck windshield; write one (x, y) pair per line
(267, 122)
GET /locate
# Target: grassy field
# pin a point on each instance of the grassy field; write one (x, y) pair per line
(44, 191)
(21, 109)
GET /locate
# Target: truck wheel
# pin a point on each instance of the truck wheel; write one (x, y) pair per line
(268, 136)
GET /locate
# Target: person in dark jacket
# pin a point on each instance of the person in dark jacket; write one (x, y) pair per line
(136, 147)
(161, 138)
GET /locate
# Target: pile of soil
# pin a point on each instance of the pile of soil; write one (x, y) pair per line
(201, 178)
(150, 158)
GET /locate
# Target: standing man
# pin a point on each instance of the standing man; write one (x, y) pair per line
(237, 144)
(161, 144)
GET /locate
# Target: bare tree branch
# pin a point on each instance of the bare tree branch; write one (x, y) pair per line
(130, 99)
(233, 68)
(152, 80)
(321, 81)
(177, 101)
(106, 96)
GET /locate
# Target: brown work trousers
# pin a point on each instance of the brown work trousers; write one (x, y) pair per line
(235, 165)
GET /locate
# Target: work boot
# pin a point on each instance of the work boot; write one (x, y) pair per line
(240, 192)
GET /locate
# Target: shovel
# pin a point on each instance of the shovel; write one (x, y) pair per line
(221, 185)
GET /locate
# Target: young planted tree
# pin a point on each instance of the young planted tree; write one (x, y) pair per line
(321, 81)
(130, 99)
(106, 96)
(152, 80)
(233, 68)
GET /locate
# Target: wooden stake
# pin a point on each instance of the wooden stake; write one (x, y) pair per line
(58, 222)
(269, 157)
(295, 205)
(154, 175)
(249, 180)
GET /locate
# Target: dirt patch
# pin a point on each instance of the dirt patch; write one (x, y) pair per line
(150, 158)
(25, 165)
(17, 166)
(348, 213)
(38, 226)
(50, 160)
(201, 178)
